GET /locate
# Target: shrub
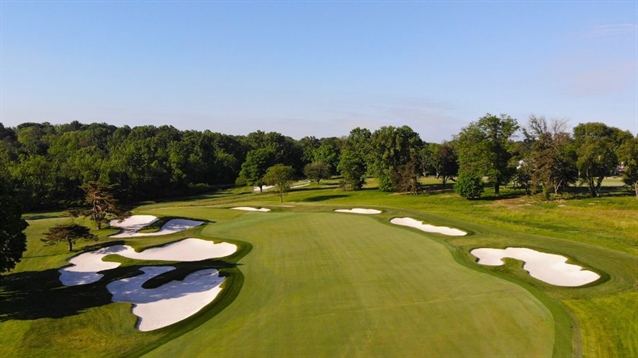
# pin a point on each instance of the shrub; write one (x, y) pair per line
(469, 185)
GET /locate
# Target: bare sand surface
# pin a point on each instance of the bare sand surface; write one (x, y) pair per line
(550, 268)
(359, 211)
(86, 265)
(248, 208)
(170, 303)
(427, 228)
(171, 227)
(263, 188)
(134, 222)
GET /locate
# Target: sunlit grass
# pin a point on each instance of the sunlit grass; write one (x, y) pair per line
(601, 234)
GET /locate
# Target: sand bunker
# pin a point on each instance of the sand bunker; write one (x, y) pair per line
(263, 188)
(172, 226)
(427, 228)
(247, 208)
(86, 265)
(359, 211)
(549, 268)
(162, 306)
(170, 303)
(134, 222)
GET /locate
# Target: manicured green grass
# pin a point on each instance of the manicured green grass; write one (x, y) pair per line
(327, 284)
(311, 282)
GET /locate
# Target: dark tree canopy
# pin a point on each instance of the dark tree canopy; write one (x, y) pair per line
(255, 166)
(69, 233)
(628, 156)
(317, 171)
(392, 149)
(13, 241)
(469, 185)
(596, 145)
(102, 201)
(552, 160)
(353, 164)
(484, 148)
(440, 159)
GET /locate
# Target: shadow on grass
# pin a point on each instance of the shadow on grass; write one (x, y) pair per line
(33, 295)
(325, 197)
(40, 217)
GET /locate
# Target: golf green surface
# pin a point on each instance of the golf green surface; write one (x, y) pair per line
(347, 285)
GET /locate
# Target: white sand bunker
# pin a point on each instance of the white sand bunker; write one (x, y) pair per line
(131, 225)
(263, 188)
(134, 222)
(427, 228)
(549, 268)
(170, 303)
(359, 211)
(86, 265)
(248, 208)
(164, 305)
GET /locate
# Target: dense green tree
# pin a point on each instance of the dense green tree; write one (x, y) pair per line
(469, 185)
(393, 148)
(552, 161)
(596, 145)
(46, 164)
(282, 176)
(317, 171)
(628, 155)
(406, 177)
(309, 145)
(440, 159)
(329, 152)
(484, 148)
(13, 241)
(255, 166)
(285, 150)
(69, 233)
(353, 163)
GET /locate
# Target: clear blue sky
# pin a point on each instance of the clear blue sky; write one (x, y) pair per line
(318, 68)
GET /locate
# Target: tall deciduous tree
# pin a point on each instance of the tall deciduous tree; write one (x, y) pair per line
(393, 148)
(596, 145)
(282, 176)
(484, 148)
(329, 152)
(442, 159)
(255, 166)
(353, 164)
(69, 233)
(552, 160)
(628, 156)
(13, 242)
(317, 171)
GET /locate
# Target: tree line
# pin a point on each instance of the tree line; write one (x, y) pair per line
(45, 166)
(95, 166)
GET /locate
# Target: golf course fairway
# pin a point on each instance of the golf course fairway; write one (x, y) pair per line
(334, 285)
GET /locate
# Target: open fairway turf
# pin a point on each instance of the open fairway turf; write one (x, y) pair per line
(324, 284)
